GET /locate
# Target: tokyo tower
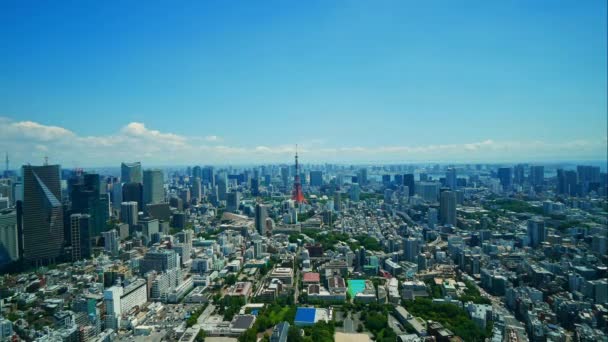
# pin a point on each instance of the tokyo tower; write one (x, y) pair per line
(297, 194)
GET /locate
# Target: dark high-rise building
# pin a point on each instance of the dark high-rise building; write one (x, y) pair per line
(197, 172)
(567, 182)
(536, 232)
(316, 178)
(133, 192)
(260, 219)
(450, 178)
(505, 175)
(447, 207)
(81, 235)
(398, 180)
(130, 172)
(386, 180)
(233, 200)
(86, 198)
(255, 186)
(518, 174)
(42, 213)
(537, 175)
(408, 180)
(587, 173)
(208, 176)
(362, 176)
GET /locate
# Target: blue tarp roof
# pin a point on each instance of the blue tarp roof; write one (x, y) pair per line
(306, 315)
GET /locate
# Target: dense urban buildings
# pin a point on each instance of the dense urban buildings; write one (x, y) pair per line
(526, 243)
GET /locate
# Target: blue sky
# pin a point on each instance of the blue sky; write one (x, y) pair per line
(347, 80)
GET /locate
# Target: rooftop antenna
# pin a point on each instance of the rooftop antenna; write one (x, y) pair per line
(46, 160)
(6, 161)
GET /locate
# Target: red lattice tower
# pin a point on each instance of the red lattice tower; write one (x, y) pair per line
(297, 194)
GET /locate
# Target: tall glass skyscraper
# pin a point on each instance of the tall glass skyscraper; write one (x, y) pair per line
(42, 213)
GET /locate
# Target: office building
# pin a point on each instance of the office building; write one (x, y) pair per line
(208, 177)
(447, 208)
(316, 178)
(411, 249)
(337, 201)
(505, 175)
(9, 238)
(408, 180)
(362, 176)
(355, 192)
(260, 219)
(233, 201)
(43, 233)
(518, 174)
(159, 261)
(450, 178)
(536, 232)
(130, 172)
(81, 235)
(129, 213)
(537, 175)
(153, 191)
(87, 198)
(111, 242)
(133, 192)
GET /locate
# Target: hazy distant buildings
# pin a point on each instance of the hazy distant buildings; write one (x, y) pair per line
(42, 213)
(537, 175)
(232, 201)
(505, 175)
(130, 172)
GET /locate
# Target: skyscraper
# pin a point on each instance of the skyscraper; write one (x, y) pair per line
(411, 249)
(260, 218)
(87, 198)
(153, 191)
(316, 178)
(208, 176)
(505, 175)
(536, 232)
(518, 174)
(232, 201)
(408, 180)
(42, 213)
(450, 178)
(362, 176)
(129, 213)
(537, 175)
(197, 189)
(80, 229)
(130, 172)
(447, 207)
(337, 201)
(9, 238)
(133, 192)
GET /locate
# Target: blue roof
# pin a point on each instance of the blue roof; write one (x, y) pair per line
(306, 315)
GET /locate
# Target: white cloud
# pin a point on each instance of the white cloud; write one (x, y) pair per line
(29, 142)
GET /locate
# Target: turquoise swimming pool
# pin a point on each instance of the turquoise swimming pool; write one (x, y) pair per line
(355, 286)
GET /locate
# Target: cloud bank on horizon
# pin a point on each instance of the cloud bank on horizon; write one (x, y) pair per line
(29, 142)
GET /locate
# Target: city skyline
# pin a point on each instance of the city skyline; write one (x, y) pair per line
(347, 81)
